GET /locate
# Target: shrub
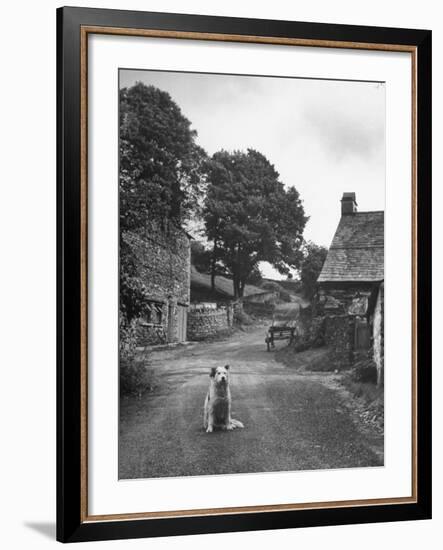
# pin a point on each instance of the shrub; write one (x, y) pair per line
(127, 338)
(242, 318)
(270, 285)
(284, 295)
(365, 372)
(136, 377)
(273, 286)
(258, 311)
(366, 391)
(311, 267)
(311, 332)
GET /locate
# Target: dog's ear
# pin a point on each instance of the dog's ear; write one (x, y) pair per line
(227, 367)
(212, 373)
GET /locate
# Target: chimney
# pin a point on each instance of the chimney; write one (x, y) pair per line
(348, 204)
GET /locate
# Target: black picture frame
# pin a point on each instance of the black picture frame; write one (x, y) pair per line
(71, 523)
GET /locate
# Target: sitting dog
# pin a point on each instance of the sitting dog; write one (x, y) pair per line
(217, 410)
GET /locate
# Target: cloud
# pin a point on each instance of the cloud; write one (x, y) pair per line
(345, 134)
(324, 137)
(347, 120)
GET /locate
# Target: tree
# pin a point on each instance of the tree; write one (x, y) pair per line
(255, 277)
(161, 166)
(205, 261)
(161, 176)
(250, 217)
(200, 257)
(311, 266)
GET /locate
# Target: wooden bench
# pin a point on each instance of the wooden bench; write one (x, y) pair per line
(279, 333)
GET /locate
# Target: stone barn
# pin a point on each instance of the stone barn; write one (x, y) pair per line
(350, 293)
(163, 255)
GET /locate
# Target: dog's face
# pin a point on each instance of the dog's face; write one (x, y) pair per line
(220, 375)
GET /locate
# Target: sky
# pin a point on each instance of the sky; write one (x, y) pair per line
(324, 137)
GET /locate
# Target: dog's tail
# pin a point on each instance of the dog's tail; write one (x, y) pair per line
(237, 423)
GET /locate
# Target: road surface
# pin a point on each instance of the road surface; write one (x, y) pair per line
(292, 421)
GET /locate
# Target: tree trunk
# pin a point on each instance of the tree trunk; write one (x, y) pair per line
(212, 279)
(241, 288)
(213, 266)
(236, 287)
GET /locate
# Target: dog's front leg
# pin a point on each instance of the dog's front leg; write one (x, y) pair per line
(229, 425)
(205, 417)
(209, 420)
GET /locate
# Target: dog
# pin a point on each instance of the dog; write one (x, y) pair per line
(217, 408)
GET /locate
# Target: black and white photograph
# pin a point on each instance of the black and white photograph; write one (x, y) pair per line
(251, 282)
(217, 306)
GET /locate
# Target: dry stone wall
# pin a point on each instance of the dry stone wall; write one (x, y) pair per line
(163, 261)
(163, 256)
(206, 322)
(338, 336)
(256, 309)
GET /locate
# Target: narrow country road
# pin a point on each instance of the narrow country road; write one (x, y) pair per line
(292, 421)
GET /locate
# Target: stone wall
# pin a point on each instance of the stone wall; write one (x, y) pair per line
(343, 299)
(163, 260)
(378, 335)
(263, 298)
(147, 335)
(206, 322)
(257, 309)
(310, 328)
(339, 337)
(341, 306)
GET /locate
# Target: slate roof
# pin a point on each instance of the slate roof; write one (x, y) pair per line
(357, 249)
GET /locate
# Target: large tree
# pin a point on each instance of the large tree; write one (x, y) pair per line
(200, 257)
(161, 176)
(161, 165)
(311, 266)
(250, 216)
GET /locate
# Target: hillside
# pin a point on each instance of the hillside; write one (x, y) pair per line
(201, 284)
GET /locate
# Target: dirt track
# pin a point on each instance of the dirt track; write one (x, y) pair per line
(292, 421)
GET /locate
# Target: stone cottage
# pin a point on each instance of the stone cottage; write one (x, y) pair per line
(351, 286)
(163, 255)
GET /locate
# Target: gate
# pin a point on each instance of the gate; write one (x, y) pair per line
(170, 322)
(182, 316)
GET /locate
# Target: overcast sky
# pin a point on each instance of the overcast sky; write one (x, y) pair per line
(323, 137)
